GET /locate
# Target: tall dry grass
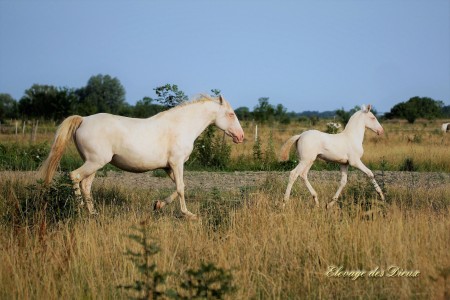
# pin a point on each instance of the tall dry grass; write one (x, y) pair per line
(274, 253)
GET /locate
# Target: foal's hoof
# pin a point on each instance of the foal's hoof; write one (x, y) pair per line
(158, 205)
(190, 216)
(330, 204)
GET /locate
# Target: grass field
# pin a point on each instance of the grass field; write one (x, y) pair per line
(362, 249)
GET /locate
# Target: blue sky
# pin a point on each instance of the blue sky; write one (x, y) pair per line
(307, 55)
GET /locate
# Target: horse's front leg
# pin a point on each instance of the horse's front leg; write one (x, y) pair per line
(178, 175)
(359, 164)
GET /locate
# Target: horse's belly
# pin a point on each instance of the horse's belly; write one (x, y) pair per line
(136, 165)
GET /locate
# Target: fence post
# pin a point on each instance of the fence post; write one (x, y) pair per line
(34, 131)
(256, 132)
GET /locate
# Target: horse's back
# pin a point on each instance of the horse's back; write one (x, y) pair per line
(131, 144)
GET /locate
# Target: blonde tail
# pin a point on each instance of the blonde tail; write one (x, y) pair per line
(287, 146)
(63, 135)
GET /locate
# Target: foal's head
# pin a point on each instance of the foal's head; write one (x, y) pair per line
(370, 121)
(228, 121)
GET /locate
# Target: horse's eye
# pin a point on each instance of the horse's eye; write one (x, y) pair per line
(231, 115)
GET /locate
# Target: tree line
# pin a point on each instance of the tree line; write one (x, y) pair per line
(104, 93)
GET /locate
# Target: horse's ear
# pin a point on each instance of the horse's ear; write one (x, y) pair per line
(369, 107)
(364, 108)
(220, 99)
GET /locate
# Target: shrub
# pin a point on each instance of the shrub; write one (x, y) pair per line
(37, 204)
(211, 150)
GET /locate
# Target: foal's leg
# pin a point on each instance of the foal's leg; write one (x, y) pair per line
(292, 177)
(178, 174)
(344, 170)
(169, 199)
(78, 175)
(304, 176)
(301, 170)
(359, 164)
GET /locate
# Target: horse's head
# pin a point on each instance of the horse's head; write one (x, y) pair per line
(227, 121)
(370, 120)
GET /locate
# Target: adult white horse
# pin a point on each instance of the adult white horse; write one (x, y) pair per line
(344, 148)
(445, 127)
(163, 141)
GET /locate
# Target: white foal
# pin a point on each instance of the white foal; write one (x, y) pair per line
(344, 148)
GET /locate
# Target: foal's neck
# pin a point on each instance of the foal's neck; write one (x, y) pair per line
(355, 129)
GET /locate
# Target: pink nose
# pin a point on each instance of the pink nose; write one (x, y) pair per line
(381, 131)
(238, 137)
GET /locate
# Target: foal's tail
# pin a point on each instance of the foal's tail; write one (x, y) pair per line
(63, 135)
(287, 146)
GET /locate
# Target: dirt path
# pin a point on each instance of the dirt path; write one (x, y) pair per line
(235, 180)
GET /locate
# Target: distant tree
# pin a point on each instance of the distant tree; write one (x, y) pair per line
(416, 107)
(344, 116)
(264, 111)
(146, 108)
(243, 113)
(313, 119)
(281, 115)
(102, 93)
(8, 107)
(169, 95)
(446, 111)
(47, 102)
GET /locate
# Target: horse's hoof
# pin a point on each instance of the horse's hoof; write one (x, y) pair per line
(158, 205)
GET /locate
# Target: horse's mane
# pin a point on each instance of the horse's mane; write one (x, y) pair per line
(198, 99)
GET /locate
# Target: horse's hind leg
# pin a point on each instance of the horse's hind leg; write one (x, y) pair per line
(160, 204)
(344, 171)
(80, 174)
(86, 185)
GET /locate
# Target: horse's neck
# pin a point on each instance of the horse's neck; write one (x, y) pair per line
(355, 129)
(193, 119)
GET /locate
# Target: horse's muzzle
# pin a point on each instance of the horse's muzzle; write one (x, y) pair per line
(237, 137)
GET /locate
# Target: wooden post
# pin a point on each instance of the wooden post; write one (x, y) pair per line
(34, 132)
(256, 132)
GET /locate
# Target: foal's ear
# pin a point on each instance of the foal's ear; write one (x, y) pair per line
(220, 99)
